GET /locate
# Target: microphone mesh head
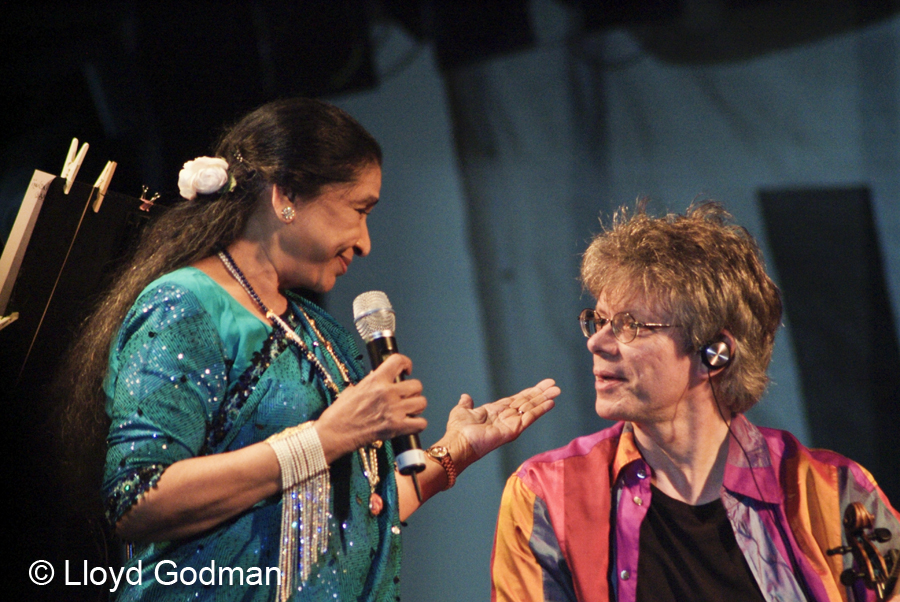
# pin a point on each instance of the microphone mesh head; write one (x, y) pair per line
(372, 313)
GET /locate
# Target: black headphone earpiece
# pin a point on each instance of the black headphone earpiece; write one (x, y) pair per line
(715, 355)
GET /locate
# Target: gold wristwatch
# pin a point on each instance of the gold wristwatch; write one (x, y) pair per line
(441, 455)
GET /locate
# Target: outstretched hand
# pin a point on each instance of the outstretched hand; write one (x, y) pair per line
(491, 425)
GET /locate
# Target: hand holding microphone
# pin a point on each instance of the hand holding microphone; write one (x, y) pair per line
(375, 322)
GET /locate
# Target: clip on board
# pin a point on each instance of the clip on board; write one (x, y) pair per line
(55, 264)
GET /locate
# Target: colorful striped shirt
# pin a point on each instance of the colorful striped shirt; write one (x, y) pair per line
(569, 521)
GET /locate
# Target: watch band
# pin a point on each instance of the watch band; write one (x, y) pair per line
(441, 455)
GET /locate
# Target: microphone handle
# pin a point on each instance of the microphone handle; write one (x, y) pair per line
(408, 452)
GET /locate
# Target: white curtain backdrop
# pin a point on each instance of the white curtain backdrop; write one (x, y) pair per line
(495, 177)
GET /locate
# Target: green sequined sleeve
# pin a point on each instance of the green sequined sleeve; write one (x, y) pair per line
(168, 375)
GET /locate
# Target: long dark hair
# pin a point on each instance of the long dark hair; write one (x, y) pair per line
(299, 144)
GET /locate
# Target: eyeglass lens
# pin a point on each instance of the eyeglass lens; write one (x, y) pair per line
(623, 325)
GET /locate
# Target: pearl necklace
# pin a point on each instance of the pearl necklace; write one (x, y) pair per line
(368, 454)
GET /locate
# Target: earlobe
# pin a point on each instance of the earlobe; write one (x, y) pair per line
(284, 208)
(288, 214)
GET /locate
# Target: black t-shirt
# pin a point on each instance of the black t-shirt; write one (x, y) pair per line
(689, 553)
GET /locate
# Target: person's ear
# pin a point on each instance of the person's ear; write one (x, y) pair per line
(282, 205)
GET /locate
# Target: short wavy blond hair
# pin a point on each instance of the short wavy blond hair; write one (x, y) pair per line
(707, 273)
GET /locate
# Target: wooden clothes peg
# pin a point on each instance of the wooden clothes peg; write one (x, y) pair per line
(102, 184)
(74, 159)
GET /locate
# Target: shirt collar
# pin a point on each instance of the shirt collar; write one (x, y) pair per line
(626, 452)
(748, 468)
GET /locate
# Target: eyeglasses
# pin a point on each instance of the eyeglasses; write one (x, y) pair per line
(624, 326)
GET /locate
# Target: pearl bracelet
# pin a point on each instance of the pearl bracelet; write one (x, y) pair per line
(306, 491)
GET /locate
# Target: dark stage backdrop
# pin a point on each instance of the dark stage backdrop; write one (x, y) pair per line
(824, 240)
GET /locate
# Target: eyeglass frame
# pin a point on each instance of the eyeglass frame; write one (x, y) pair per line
(599, 322)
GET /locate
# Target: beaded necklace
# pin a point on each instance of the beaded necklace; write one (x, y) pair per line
(368, 454)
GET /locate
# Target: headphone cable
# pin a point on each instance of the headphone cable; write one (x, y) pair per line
(794, 564)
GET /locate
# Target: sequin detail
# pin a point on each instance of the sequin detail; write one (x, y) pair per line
(129, 490)
(230, 410)
(165, 392)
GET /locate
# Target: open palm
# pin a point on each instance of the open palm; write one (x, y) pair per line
(491, 425)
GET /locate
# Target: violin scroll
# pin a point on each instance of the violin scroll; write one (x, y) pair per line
(879, 573)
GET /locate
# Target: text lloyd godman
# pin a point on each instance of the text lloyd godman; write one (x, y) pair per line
(167, 572)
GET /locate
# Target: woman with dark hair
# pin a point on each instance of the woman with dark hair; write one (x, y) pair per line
(248, 454)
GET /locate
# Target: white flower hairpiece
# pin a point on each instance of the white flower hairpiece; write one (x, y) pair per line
(203, 175)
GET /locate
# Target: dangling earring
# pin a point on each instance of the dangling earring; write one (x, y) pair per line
(288, 214)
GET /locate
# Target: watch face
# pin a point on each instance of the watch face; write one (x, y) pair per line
(438, 451)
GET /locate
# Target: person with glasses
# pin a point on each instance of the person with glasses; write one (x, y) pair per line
(683, 498)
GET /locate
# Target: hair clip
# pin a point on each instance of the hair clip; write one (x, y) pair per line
(146, 203)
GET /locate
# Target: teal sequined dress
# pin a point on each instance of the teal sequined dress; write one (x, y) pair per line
(194, 373)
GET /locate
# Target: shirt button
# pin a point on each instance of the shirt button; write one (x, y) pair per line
(638, 500)
(625, 575)
(641, 473)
